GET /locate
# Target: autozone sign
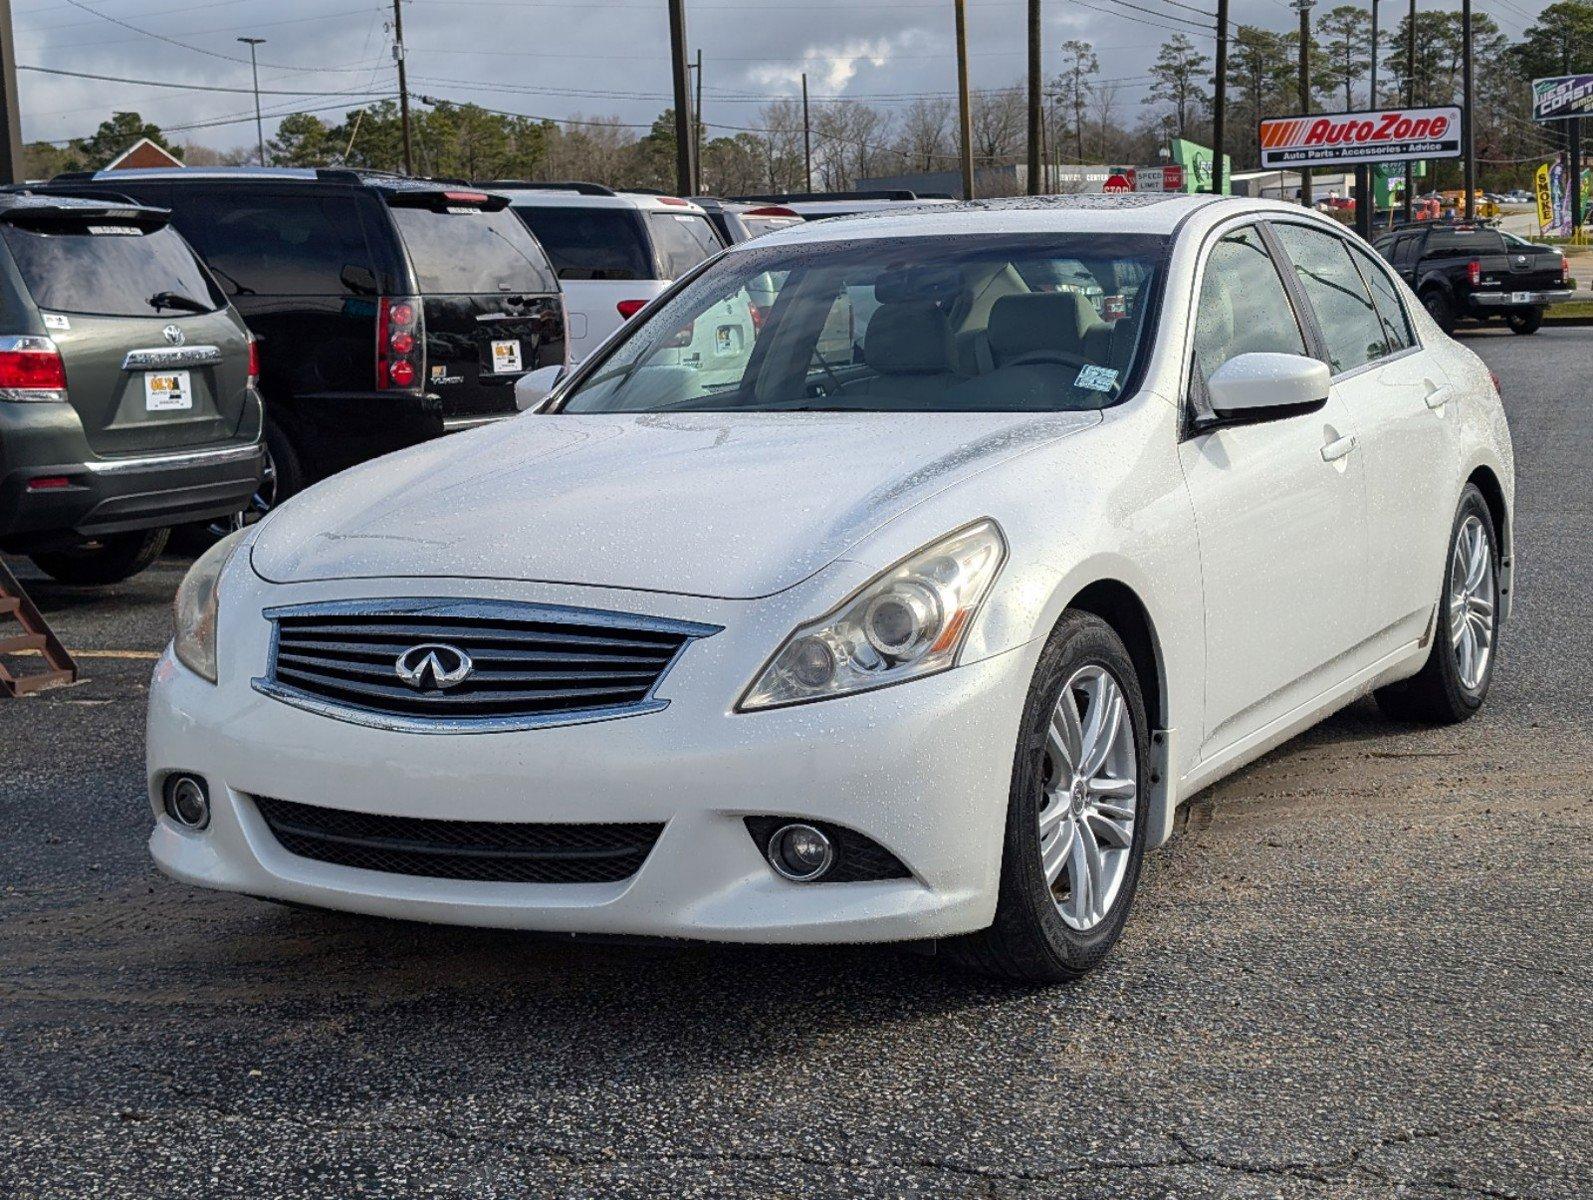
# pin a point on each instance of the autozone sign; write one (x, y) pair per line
(1344, 139)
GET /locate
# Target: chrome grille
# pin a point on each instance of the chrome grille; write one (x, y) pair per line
(529, 664)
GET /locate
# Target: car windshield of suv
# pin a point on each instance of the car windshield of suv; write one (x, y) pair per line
(470, 250)
(1007, 322)
(110, 270)
(591, 243)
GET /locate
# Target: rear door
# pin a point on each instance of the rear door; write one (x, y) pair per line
(489, 297)
(144, 370)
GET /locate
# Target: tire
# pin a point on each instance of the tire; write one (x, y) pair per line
(1526, 322)
(1440, 309)
(283, 476)
(109, 559)
(1030, 940)
(1441, 693)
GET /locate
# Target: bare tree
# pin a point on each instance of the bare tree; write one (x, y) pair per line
(998, 121)
(925, 142)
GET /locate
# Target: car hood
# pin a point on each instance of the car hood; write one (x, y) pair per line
(708, 504)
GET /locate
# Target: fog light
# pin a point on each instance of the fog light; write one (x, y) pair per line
(187, 801)
(800, 852)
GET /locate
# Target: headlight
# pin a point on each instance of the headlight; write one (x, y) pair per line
(195, 607)
(908, 621)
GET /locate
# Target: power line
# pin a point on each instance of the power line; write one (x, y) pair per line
(185, 87)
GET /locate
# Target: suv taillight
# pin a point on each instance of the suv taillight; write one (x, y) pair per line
(1474, 272)
(400, 343)
(254, 361)
(31, 369)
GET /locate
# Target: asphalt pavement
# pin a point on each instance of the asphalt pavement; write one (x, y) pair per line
(1362, 969)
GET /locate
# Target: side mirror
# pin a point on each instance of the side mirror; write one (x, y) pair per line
(1264, 386)
(531, 390)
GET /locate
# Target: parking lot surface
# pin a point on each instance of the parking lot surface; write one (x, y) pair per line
(1362, 969)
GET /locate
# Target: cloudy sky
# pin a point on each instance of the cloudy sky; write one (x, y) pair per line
(561, 58)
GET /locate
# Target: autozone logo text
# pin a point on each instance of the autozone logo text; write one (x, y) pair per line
(1360, 137)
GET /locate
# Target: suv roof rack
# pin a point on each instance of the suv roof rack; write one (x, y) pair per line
(542, 185)
(803, 197)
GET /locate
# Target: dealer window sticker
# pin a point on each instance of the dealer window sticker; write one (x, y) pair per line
(1096, 379)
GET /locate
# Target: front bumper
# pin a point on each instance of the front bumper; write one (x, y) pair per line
(922, 768)
(1491, 300)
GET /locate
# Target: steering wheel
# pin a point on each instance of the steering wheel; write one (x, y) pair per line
(1057, 357)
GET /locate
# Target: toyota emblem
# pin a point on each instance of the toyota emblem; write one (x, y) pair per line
(434, 667)
(173, 335)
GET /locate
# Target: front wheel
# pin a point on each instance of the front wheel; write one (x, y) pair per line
(1454, 682)
(1525, 322)
(1076, 813)
(109, 559)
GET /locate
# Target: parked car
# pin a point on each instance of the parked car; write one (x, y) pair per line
(613, 251)
(740, 222)
(127, 387)
(1466, 271)
(919, 628)
(815, 206)
(389, 310)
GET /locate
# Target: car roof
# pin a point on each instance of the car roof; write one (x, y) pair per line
(1140, 212)
(589, 196)
(342, 176)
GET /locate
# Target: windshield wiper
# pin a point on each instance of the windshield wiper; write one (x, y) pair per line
(176, 300)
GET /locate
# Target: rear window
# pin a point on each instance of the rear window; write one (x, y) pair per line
(1465, 241)
(758, 226)
(683, 241)
(591, 243)
(472, 251)
(107, 270)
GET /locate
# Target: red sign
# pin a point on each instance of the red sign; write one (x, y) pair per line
(1344, 139)
(1116, 184)
(1172, 179)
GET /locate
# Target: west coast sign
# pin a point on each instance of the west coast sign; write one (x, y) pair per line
(1562, 96)
(1347, 139)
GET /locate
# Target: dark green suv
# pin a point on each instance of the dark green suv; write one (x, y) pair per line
(128, 399)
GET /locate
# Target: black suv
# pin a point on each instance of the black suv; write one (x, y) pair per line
(1465, 270)
(127, 390)
(389, 310)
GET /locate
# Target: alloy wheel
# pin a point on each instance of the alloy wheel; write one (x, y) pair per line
(1471, 603)
(1090, 783)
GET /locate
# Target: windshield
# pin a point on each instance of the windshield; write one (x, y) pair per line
(471, 250)
(993, 323)
(110, 270)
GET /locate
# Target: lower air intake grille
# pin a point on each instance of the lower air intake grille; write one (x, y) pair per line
(482, 851)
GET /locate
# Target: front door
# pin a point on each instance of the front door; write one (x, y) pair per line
(1279, 511)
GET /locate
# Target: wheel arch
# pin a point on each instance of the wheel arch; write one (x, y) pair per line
(1493, 494)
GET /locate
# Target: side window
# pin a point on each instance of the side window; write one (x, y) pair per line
(1244, 307)
(280, 244)
(1350, 324)
(1385, 297)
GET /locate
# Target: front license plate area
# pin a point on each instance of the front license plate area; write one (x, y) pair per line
(167, 391)
(506, 356)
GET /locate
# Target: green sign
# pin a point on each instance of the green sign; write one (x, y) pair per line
(1196, 161)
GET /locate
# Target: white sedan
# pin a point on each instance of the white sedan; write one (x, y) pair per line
(913, 617)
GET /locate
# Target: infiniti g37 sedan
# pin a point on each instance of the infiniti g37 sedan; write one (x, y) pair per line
(912, 615)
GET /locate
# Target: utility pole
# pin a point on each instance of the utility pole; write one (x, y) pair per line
(696, 143)
(1467, 104)
(677, 62)
(1303, 7)
(1410, 102)
(10, 114)
(1034, 98)
(1219, 107)
(1372, 83)
(254, 67)
(964, 118)
(807, 137)
(403, 84)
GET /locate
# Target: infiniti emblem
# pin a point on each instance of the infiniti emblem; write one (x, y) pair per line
(433, 666)
(173, 335)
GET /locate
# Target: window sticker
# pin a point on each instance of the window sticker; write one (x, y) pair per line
(55, 321)
(1097, 379)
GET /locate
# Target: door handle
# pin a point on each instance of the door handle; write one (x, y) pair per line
(1334, 451)
(1437, 396)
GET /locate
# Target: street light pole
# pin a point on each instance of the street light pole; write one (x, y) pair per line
(1467, 112)
(677, 62)
(1303, 7)
(254, 67)
(1410, 102)
(11, 170)
(1219, 107)
(1034, 98)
